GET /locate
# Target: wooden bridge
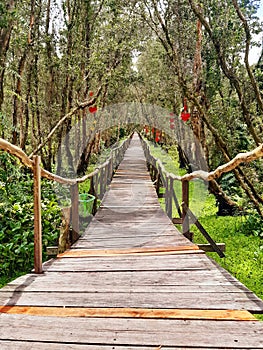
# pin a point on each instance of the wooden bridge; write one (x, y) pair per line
(132, 281)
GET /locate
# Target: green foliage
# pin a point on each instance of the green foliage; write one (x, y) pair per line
(5, 15)
(17, 218)
(253, 225)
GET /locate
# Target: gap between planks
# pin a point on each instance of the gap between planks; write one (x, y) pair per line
(185, 314)
(130, 251)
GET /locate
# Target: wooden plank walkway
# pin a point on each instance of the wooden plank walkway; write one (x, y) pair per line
(132, 281)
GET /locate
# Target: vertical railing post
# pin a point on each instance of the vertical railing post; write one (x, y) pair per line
(37, 216)
(101, 182)
(106, 168)
(93, 192)
(158, 183)
(169, 202)
(111, 166)
(185, 205)
(74, 190)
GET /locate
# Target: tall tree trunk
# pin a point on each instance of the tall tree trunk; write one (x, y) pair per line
(5, 35)
(18, 119)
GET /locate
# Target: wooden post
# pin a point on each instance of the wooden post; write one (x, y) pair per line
(185, 217)
(64, 239)
(106, 168)
(111, 167)
(158, 180)
(37, 216)
(96, 185)
(74, 190)
(93, 192)
(101, 183)
(169, 198)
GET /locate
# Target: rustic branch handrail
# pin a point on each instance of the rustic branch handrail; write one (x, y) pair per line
(103, 171)
(244, 157)
(25, 160)
(160, 175)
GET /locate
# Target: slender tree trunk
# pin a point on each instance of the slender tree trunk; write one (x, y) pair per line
(18, 118)
(5, 35)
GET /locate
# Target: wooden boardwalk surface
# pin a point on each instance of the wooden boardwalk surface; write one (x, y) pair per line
(132, 281)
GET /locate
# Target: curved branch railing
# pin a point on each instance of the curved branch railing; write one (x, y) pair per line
(99, 179)
(163, 178)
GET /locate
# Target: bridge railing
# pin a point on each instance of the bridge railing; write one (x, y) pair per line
(161, 177)
(165, 180)
(99, 179)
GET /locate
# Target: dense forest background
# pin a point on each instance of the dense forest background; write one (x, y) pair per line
(61, 61)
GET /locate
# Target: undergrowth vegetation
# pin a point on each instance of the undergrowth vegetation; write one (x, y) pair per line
(17, 218)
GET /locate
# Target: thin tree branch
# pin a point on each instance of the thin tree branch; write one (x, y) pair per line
(248, 43)
(66, 117)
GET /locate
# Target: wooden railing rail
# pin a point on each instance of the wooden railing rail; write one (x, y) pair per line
(165, 180)
(99, 179)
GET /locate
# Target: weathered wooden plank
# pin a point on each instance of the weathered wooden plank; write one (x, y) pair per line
(127, 331)
(212, 300)
(123, 279)
(131, 263)
(94, 252)
(122, 289)
(23, 345)
(181, 314)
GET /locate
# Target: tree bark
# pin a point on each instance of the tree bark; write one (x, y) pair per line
(5, 35)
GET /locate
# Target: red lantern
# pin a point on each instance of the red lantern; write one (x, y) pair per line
(157, 136)
(93, 109)
(185, 116)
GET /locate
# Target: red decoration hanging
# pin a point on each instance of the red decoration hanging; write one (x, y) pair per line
(93, 109)
(157, 136)
(184, 114)
(91, 93)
